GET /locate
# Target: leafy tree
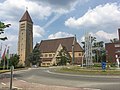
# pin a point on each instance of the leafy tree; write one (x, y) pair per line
(2, 27)
(93, 39)
(34, 57)
(63, 57)
(2, 62)
(114, 40)
(98, 50)
(14, 60)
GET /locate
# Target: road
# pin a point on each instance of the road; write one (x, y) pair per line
(44, 76)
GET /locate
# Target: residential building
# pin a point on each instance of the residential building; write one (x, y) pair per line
(113, 50)
(50, 49)
(25, 40)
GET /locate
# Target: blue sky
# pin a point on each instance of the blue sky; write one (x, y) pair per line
(62, 18)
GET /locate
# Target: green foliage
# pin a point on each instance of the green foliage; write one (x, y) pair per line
(97, 65)
(99, 51)
(114, 40)
(34, 57)
(14, 60)
(63, 57)
(2, 27)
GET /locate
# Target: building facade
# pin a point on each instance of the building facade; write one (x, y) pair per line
(113, 50)
(50, 48)
(25, 40)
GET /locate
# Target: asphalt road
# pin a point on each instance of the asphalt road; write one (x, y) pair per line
(44, 76)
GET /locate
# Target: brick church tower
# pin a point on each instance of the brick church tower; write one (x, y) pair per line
(25, 40)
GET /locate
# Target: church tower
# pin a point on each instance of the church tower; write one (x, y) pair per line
(25, 40)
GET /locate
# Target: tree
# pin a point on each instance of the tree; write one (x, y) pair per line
(63, 57)
(2, 27)
(14, 60)
(98, 49)
(93, 39)
(114, 40)
(34, 57)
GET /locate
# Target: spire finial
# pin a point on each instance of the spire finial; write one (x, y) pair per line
(27, 8)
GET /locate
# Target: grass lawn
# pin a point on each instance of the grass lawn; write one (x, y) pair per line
(87, 71)
(2, 71)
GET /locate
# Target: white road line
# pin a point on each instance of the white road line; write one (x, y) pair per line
(66, 74)
(22, 80)
(17, 88)
(80, 75)
(3, 83)
(15, 78)
(91, 89)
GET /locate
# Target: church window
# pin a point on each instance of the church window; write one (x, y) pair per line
(79, 54)
(50, 55)
(48, 63)
(45, 55)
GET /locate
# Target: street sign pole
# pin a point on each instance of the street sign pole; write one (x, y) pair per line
(11, 77)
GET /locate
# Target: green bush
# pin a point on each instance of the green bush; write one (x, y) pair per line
(97, 65)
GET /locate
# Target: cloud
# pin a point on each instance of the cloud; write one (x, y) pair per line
(51, 21)
(102, 36)
(11, 42)
(12, 10)
(38, 31)
(60, 6)
(99, 18)
(59, 35)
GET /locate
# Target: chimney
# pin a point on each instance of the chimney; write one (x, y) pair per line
(119, 33)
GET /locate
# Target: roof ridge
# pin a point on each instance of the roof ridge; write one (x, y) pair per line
(57, 39)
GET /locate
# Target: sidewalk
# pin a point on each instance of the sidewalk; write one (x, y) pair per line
(23, 85)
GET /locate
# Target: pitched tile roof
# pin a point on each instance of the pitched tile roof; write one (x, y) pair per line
(52, 45)
(26, 17)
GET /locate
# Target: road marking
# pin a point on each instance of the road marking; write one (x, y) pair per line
(80, 75)
(3, 83)
(91, 89)
(17, 88)
(15, 78)
(22, 80)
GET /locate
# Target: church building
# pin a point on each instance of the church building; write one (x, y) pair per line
(25, 40)
(50, 50)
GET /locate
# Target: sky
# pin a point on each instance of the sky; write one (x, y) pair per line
(61, 18)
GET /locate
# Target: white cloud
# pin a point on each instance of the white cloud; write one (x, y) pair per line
(38, 31)
(11, 42)
(59, 35)
(102, 36)
(101, 17)
(60, 6)
(12, 10)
